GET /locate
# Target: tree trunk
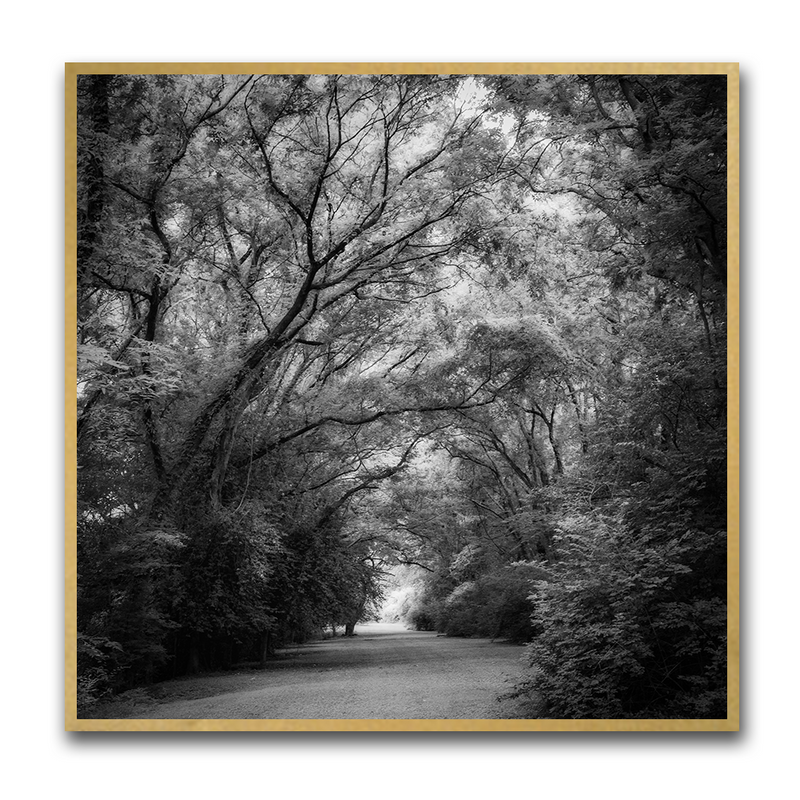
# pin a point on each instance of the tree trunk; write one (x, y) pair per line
(193, 665)
(266, 647)
(90, 217)
(580, 416)
(555, 447)
(214, 427)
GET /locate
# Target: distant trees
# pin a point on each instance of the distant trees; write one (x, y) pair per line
(329, 325)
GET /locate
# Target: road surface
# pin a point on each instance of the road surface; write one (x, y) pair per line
(385, 672)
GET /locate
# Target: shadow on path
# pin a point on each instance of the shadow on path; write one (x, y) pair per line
(384, 672)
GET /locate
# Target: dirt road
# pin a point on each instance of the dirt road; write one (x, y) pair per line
(385, 672)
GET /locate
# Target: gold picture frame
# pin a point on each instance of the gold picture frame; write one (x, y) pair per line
(73, 723)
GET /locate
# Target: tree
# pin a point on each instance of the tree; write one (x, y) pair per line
(253, 248)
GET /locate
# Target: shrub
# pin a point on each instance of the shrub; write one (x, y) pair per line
(99, 664)
(497, 604)
(424, 614)
(624, 629)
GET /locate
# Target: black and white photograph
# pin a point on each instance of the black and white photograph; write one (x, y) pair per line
(404, 396)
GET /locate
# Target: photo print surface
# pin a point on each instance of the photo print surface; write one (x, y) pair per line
(401, 397)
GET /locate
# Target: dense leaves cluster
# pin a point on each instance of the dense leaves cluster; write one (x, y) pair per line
(625, 628)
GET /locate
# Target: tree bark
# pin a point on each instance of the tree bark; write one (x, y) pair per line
(266, 647)
(193, 664)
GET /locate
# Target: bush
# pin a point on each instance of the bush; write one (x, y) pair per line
(127, 584)
(424, 614)
(627, 628)
(99, 664)
(497, 604)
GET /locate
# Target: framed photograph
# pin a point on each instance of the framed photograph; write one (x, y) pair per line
(402, 397)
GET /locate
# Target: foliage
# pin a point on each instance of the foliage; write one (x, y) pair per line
(98, 666)
(624, 629)
(497, 604)
(127, 579)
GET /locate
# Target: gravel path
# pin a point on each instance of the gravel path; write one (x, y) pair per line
(385, 672)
